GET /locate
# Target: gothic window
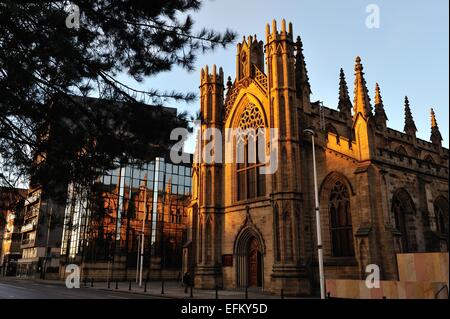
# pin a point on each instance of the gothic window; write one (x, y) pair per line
(399, 219)
(250, 182)
(341, 222)
(441, 214)
(404, 220)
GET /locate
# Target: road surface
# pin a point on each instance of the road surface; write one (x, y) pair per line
(30, 289)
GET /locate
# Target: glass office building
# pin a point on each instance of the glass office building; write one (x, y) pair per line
(106, 222)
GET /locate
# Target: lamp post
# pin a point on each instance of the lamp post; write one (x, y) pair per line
(318, 227)
(142, 238)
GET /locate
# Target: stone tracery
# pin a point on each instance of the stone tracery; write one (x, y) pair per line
(251, 118)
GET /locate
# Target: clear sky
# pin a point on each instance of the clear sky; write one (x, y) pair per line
(407, 55)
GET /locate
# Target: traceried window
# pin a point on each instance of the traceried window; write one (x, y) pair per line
(404, 221)
(341, 222)
(399, 221)
(441, 214)
(250, 182)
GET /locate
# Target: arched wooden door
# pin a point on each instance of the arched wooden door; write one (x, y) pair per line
(254, 264)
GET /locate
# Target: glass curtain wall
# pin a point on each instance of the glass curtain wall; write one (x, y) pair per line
(107, 221)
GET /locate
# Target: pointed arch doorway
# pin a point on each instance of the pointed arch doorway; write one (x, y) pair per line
(254, 264)
(249, 252)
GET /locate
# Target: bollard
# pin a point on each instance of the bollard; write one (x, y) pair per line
(192, 293)
(109, 284)
(92, 282)
(85, 281)
(328, 295)
(246, 292)
(217, 292)
(282, 293)
(145, 286)
(162, 287)
(117, 284)
(129, 287)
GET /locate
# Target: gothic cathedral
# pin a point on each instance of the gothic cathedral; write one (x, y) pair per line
(381, 191)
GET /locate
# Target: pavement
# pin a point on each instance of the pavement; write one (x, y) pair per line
(175, 290)
(22, 288)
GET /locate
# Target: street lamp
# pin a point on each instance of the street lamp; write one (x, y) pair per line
(318, 228)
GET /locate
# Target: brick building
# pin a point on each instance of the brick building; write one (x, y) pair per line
(381, 191)
(11, 219)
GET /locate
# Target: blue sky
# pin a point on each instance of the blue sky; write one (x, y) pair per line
(407, 55)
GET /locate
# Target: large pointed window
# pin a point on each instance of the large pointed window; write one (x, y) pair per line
(341, 222)
(441, 214)
(250, 182)
(404, 221)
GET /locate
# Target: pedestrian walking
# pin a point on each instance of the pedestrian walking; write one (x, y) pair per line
(186, 281)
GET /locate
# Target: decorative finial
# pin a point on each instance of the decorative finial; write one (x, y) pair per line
(283, 26)
(380, 114)
(301, 73)
(436, 137)
(433, 119)
(378, 99)
(361, 103)
(274, 26)
(358, 65)
(344, 105)
(410, 126)
(229, 83)
(299, 43)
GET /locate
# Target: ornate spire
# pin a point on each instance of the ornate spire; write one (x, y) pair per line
(380, 114)
(301, 73)
(436, 137)
(410, 126)
(361, 103)
(345, 105)
(229, 84)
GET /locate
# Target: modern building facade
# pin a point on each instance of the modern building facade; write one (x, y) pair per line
(103, 229)
(98, 225)
(11, 214)
(41, 233)
(381, 191)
